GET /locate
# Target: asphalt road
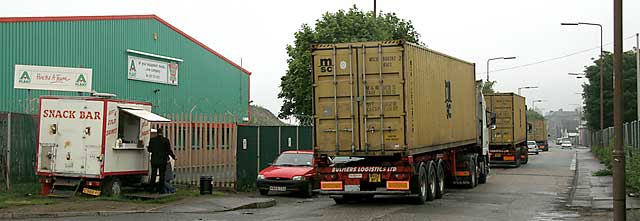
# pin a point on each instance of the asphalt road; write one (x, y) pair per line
(536, 191)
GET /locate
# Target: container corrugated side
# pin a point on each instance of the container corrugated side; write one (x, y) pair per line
(350, 84)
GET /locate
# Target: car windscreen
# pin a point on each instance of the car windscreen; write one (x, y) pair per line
(531, 143)
(294, 159)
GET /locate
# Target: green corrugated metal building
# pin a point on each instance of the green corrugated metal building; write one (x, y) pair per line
(104, 44)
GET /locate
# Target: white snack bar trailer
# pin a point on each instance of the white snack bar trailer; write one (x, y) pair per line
(92, 144)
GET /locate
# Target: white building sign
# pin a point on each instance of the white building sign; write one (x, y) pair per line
(151, 70)
(52, 78)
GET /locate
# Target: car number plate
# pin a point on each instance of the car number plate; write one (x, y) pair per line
(91, 191)
(278, 188)
(374, 178)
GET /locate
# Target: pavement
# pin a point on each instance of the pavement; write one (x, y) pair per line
(196, 205)
(591, 192)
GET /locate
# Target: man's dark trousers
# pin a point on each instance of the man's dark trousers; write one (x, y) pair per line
(154, 170)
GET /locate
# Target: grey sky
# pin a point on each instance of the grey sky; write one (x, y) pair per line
(258, 31)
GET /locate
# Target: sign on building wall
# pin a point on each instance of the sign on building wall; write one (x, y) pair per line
(151, 70)
(52, 78)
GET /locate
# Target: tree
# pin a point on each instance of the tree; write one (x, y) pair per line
(591, 90)
(353, 25)
(487, 87)
(534, 115)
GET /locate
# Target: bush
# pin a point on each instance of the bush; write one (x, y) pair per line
(632, 166)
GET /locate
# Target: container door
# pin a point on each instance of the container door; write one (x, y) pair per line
(503, 107)
(381, 89)
(336, 98)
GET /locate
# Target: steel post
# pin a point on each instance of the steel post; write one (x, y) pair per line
(619, 201)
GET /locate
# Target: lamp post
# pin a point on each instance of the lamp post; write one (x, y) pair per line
(526, 87)
(533, 103)
(497, 58)
(601, 69)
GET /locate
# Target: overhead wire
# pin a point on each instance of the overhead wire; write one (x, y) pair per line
(551, 59)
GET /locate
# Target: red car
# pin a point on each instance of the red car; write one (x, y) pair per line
(291, 171)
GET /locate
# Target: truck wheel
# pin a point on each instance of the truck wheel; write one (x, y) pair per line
(471, 167)
(526, 157)
(517, 163)
(421, 185)
(112, 187)
(264, 192)
(484, 172)
(431, 181)
(439, 180)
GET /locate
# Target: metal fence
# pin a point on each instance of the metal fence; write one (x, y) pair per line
(205, 145)
(18, 135)
(630, 137)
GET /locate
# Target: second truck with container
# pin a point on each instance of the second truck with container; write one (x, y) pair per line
(508, 141)
(538, 133)
(396, 118)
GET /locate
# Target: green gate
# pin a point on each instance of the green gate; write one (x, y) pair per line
(18, 138)
(260, 145)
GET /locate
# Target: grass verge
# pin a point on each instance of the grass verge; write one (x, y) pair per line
(23, 194)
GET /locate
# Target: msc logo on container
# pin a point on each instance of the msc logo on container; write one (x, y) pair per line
(326, 65)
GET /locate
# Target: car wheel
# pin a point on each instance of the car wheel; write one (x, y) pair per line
(264, 192)
(307, 192)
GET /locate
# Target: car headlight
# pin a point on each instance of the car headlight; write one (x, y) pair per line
(298, 178)
(261, 177)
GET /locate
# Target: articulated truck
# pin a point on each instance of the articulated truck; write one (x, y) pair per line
(508, 140)
(396, 118)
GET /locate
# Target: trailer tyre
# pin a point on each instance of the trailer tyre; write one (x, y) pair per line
(307, 192)
(517, 163)
(471, 167)
(421, 185)
(526, 156)
(264, 192)
(484, 171)
(112, 187)
(439, 179)
(431, 181)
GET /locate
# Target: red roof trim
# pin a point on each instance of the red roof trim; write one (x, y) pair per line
(121, 17)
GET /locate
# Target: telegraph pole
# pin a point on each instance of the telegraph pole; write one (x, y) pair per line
(374, 9)
(638, 72)
(619, 201)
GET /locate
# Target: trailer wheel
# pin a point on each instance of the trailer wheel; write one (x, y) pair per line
(526, 156)
(307, 192)
(484, 171)
(340, 200)
(264, 192)
(431, 181)
(439, 180)
(112, 187)
(421, 185)
(517, 163)
(472, 173)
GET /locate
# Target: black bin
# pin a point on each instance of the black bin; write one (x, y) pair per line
(206, 185)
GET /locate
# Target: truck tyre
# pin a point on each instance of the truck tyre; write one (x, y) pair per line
(471, 167)
(421, 185)
(439, 179)
(526, 156)
(484, 171)
(112, 187)
(517, 163)
(431, 181)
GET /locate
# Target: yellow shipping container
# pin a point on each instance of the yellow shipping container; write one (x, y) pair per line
(538, 131)
(382, 98)
(510, 113)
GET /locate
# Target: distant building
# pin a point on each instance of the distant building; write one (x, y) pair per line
(562, 121)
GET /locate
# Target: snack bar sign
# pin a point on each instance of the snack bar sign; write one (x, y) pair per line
(152, 71)
(52, 78)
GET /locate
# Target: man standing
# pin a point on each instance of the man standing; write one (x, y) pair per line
(160, 149)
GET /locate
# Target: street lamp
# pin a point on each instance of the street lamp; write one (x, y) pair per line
(526, 87)
(533, 103)
(497, 58)
(578, 75)
(601, 69)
